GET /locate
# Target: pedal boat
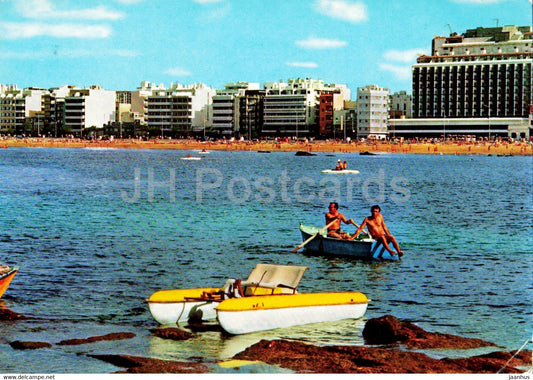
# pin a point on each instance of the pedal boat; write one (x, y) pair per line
(268, 299)
(6, 275)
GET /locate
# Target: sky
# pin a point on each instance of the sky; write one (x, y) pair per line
(119, 43)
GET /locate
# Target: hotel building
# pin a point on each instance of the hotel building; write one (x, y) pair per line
(476, 83)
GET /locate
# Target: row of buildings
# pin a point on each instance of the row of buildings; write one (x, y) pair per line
(477, 83)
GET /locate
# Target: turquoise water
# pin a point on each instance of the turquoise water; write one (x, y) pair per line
(96, 231)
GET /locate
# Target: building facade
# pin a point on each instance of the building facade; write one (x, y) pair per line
(485, 73)
(292, 108)
(179, 110)
(226, 108)
(16, 106)
(372, 112)
(87, 108)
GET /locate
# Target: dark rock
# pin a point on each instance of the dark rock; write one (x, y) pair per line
(8, 315)
(388, 329)
(302, 357)
(112, 336)
(135, 364)
(304, 153)
(172, 333)
(19, 345)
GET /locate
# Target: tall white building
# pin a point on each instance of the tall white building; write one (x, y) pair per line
(88, 107)
(372, 111)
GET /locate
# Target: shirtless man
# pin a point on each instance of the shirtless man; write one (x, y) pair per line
(334, 230)
(378, 230)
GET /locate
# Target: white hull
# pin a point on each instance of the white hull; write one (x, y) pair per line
(176, 312)
(191, 158)
(345, 171)
(243, 322)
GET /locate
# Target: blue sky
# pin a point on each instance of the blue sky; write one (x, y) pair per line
(119, 43)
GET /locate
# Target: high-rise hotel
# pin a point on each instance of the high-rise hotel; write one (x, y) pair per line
(479, 83)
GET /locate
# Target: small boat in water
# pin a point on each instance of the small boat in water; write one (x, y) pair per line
(363, 247)
(189, 157)
(343, 171)
(268, 299)
(6, 275)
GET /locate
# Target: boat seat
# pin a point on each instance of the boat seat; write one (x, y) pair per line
(272, 276)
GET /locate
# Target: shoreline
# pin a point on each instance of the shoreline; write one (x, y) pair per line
(454, 148)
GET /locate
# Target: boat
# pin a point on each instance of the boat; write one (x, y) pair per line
(363, 247)
(189, 157)
(267, 299)
(203, 151)
(343, 171)
(6, 275)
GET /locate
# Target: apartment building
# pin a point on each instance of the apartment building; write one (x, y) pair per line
(401, 105)
(91, 107)
(53, 107)
(226, 107)
(329, 103)
(372, 112)
(480, 82)
(139, 100)
(16, 105)
(180, 109)
(292, 108)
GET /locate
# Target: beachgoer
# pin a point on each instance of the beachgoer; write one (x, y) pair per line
(339, 165)
(344, 165)
(334, 230)
(378, 230)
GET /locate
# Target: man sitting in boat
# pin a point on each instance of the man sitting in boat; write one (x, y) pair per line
(378, 230)
(339, 165)
(334, 230)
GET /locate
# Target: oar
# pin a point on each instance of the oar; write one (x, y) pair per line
(314, 236)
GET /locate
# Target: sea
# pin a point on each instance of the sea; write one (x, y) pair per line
(96, 231)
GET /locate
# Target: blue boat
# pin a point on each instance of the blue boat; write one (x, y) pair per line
(363, 247)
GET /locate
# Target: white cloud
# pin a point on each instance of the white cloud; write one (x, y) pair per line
(350, 11)
(405, 56)
(308, 65)
(401, 72)
(177, 72)
(12, 30)
(320, 43)
(44, 9)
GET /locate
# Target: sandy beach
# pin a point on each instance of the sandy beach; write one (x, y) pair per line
(503, 148)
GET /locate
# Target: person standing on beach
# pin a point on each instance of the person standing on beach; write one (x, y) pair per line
(378, 230)
(334, 230)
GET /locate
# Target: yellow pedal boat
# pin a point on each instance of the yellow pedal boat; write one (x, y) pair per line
(268, 299)
(6, 275)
